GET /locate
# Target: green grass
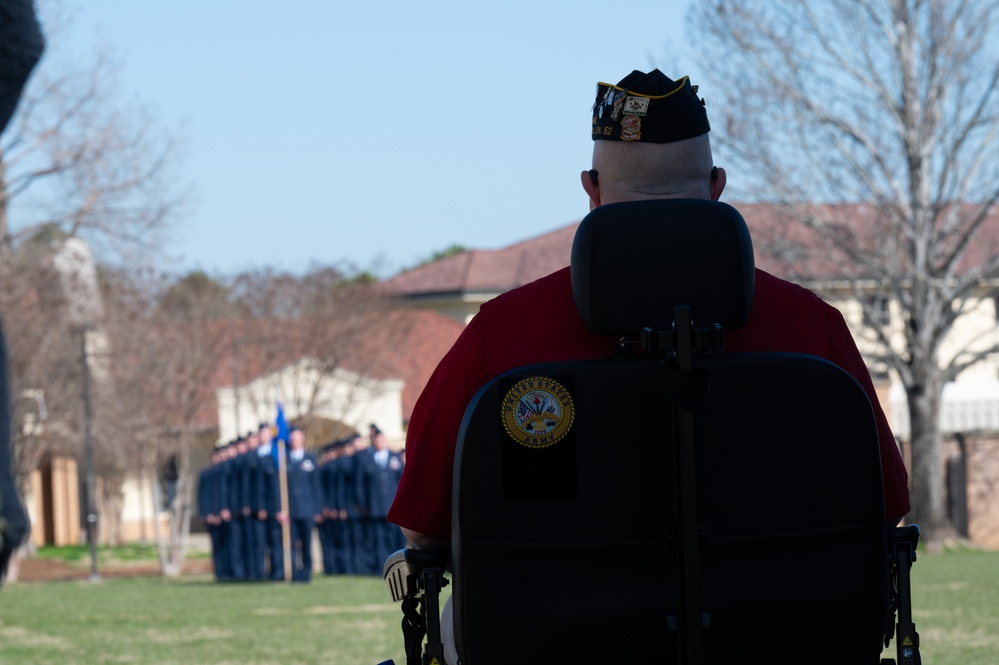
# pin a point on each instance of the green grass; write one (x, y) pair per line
(154, 620)
(351, 619)
(955, 600)
(77, 555)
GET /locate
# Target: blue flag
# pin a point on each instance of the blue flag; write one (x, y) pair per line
(282, 432)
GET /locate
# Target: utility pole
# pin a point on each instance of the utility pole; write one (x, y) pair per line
(89, 443)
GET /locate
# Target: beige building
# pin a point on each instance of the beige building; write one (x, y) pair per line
(341, 396)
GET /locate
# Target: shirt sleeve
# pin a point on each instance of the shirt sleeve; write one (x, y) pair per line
(843, 351)
(423, 500)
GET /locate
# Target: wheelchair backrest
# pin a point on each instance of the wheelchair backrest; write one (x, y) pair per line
(573, 551)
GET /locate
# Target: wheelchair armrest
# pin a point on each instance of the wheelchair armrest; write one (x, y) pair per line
(403, 568)
(903, 537)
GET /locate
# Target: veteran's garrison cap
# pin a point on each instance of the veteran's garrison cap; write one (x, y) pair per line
(651, 108)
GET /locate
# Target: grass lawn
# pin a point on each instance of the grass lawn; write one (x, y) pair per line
(105, 554)
(154, 620)
(351, 619)
(124, 556)
(955, 601)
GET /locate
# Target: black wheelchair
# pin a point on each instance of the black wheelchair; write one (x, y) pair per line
(703, 506)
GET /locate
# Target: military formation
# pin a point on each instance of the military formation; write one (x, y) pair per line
(261, 522)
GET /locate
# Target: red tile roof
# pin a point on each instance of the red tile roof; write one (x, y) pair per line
(791, 250)
(786, 249)
(480, 270)
(408, 344)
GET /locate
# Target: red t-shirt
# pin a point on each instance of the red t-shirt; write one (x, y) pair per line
(538, 322)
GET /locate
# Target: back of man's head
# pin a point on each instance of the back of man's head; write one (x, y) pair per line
(650, 138)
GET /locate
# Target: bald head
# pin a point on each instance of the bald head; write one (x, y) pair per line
(637, 171)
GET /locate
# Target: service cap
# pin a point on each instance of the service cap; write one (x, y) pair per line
(651, 108)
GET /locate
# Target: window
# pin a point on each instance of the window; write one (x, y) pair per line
(876, 310)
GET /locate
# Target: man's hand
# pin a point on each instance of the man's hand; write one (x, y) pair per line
(225, 515)
(422, 541)
(282, 517)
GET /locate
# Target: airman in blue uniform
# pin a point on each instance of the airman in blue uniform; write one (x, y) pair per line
(347, 542)
(271, 506)
(254, 512)
(304, 504)
(378, 471)
(329, 515)
(209, 509)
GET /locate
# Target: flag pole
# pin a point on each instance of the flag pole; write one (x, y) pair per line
(283, 437)
(286, 523)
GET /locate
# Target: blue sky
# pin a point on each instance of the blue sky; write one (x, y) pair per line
(375, 133)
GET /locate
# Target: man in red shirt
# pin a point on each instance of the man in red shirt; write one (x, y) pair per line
(650, 142)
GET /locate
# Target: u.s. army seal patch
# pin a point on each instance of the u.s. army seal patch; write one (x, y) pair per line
(537, 412)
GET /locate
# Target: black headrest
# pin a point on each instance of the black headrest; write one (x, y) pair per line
(633, 262)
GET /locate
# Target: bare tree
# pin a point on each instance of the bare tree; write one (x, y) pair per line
(44, 367)
(315, 326)
(174, 342)
(77, 168)
(892, 104)
(125, 428)
(169, 341)
(78, 160)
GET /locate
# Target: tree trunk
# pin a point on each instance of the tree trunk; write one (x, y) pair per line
(928, 497)
(182, 512)
(14, 565)
(173, 553)
(143, 517)
(161, 553)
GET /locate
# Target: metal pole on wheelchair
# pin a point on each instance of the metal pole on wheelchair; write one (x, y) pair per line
(906, 637)
(690, 568)
(416, 578)
(432, 584)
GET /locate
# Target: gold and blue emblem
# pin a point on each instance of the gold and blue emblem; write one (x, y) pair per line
(538, 412)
